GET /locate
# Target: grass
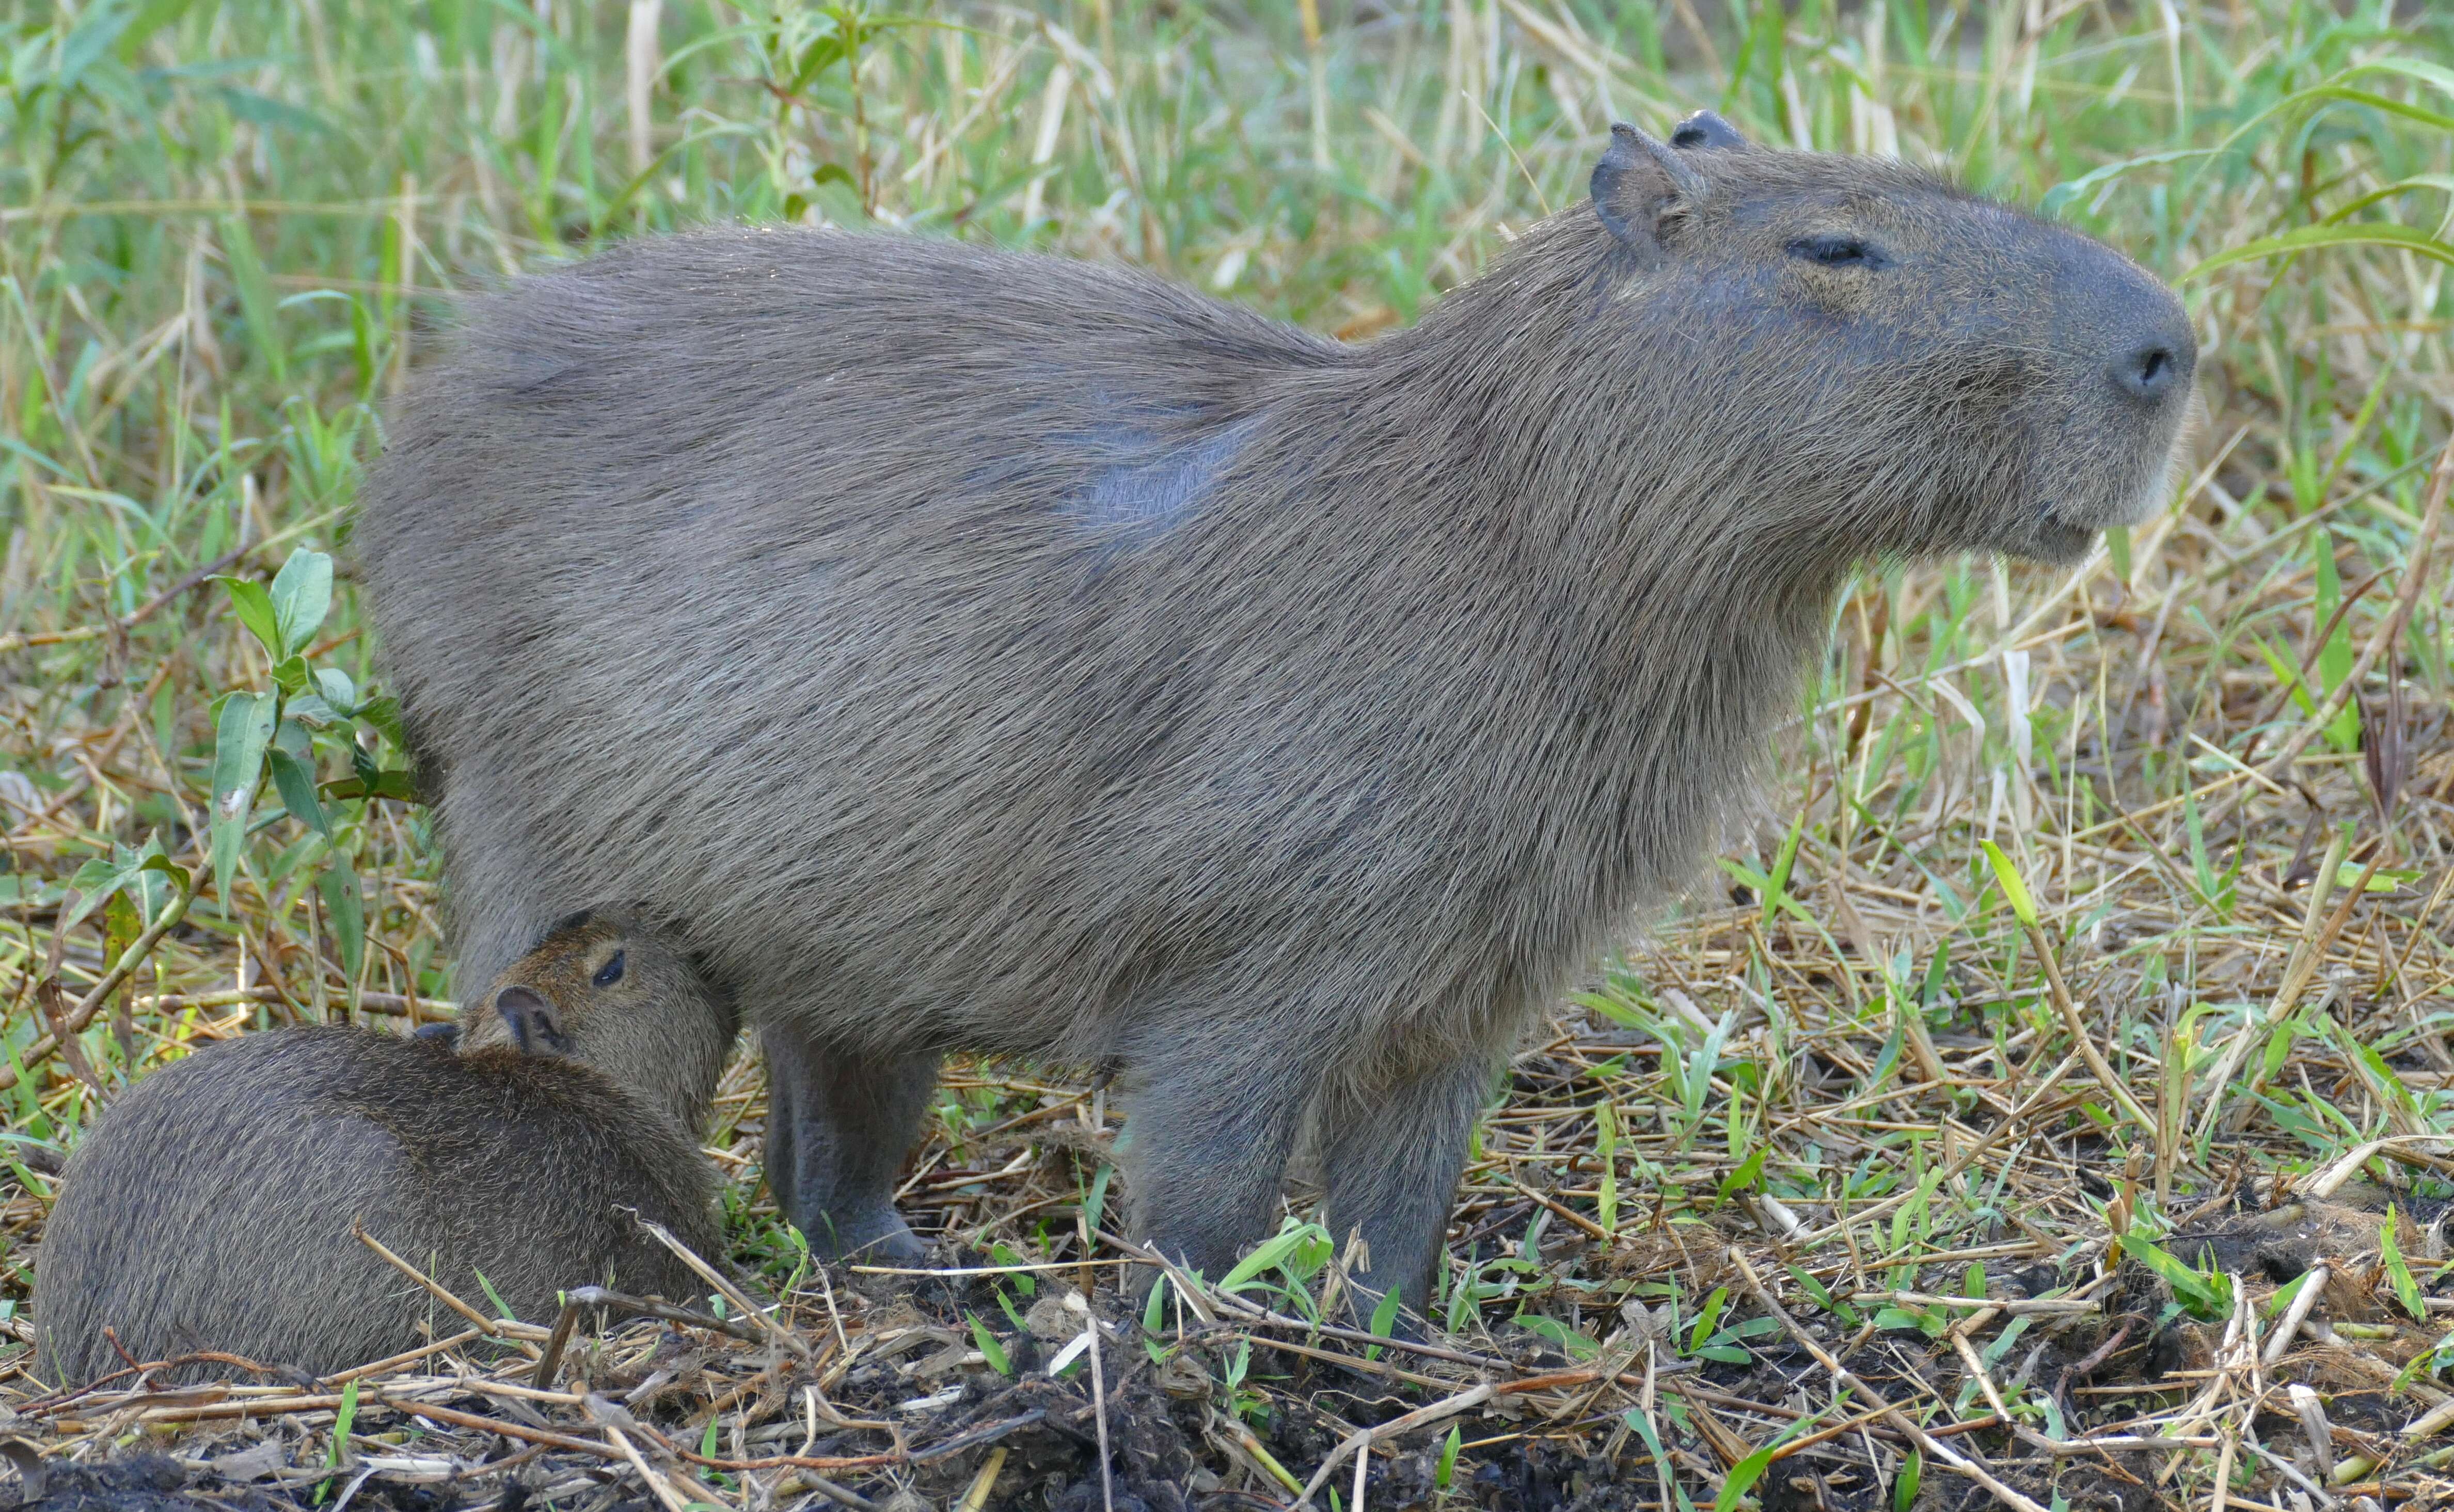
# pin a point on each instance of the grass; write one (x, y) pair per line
(2188, 804)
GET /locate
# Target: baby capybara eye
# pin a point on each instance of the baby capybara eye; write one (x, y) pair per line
(610, 973)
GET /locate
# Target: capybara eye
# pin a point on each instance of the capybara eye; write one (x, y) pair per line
(1837, 251)
(610, 972)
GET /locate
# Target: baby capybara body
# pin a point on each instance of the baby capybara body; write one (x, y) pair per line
(212, 1207)
(1009, 654)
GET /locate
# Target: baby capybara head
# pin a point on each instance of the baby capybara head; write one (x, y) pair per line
(1924, 370)
(611, 988)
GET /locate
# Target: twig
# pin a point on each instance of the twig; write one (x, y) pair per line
(92, 1002)
(2083, 1040)
(2009, 1306)
(19, 640)
(1099, 1411)
(790, 1341)
(2312, 953)
(1968, 1159)
(1935, 1448)
(485, 1325)
(657, 1483)
(2279, 1342)
(1362, 1439)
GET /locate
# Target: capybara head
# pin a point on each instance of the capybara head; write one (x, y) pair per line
(611, 988)
(1936, 372)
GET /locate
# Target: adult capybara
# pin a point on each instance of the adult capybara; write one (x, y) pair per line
(212, 1207)
(1000, 652)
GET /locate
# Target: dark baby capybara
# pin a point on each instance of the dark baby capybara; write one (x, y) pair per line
(1009, 654)
(210, 1209)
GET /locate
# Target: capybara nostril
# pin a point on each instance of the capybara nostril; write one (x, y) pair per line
(2152, 371)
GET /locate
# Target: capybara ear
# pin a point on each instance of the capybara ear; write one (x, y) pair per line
(531, 1022)
(1640, 185)
(1706, 129)
(447, 1032)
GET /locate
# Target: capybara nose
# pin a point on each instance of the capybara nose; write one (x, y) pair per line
(2158, 368)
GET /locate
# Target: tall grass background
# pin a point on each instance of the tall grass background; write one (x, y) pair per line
(2216, 757)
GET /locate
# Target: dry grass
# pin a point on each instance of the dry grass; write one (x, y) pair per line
(1821, 1159)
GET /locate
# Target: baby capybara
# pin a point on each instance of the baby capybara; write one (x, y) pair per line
(1009, 654)
(210, 1208)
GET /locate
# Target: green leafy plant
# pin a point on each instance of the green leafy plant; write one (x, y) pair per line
(1445, 1470)
(2205, 1294)
(284, 735)
(990, 1349)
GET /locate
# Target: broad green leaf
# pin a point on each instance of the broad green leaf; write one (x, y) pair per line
(343, 1420)
(240, 737)
(383, 713)
(1446, 1470)
(989, 1346)
(1814, 1288)
(2382, 881)
(296, 782)
(339, 693)
(302, 595)
(345, 912)
(255, 608)
(290, 675)
(98, 881)
(1576, 1344)
(309, 709)
(1641, 1426)
(1153, 1311)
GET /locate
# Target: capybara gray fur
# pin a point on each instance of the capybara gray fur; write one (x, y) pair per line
(212, 1207)
(1002, 653)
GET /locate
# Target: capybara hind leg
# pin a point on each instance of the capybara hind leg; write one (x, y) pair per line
(1393, 1153)
(1206, 1143)
(838, 1127)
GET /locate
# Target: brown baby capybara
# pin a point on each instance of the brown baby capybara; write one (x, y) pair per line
(1015, 654)
(210, 1208)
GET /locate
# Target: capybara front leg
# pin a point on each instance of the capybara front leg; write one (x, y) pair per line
(838, 1127)
(1206, 1142)
(1394, 1151)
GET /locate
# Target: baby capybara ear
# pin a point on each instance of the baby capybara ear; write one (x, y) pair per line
(1706, 129)
(1641, 188)
(532, 1021)
(447, 1032)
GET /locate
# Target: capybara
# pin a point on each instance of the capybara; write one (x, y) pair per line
(212, 1207)
(1009, 654)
